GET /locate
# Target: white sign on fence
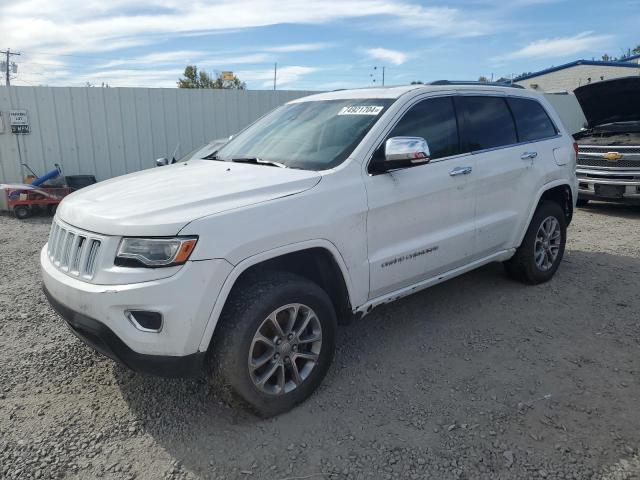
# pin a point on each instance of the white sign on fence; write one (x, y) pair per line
(19, 121)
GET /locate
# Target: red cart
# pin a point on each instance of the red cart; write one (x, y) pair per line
(24, 200)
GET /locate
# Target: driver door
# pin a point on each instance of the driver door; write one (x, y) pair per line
(421, 219)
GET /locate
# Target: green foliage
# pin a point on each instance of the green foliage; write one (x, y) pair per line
(194, 78)
(417, 82)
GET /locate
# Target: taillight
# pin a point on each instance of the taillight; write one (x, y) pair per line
(575, 148)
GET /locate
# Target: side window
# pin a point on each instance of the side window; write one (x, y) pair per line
(486, 122)
(434, 120)
(532, 120)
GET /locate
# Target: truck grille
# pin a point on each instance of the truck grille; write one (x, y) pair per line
(74, 252)
(593, 156)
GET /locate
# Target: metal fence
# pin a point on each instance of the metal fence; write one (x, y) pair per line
(112, 131)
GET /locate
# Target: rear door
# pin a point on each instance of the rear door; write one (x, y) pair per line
(504, 134)
(421, 219)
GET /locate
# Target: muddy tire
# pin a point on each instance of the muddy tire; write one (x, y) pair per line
(274, 343)
(542, 249)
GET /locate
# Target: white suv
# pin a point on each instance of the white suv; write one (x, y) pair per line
(240, 265)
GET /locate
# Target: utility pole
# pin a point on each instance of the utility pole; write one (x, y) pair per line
(7, 66)
(383, 76)
(275, 74)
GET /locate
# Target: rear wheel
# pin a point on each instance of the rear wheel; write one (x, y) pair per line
(275, 341)
(542, 249)
(21, 212)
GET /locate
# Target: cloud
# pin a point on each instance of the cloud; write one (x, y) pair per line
(71, 26)
(386, 55)
(299, 47)
(559, 47)
(285, 75)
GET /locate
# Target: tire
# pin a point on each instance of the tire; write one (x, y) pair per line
(582, 202)
(21, 212)
(523, 265)
(250, 310)
(52, 208)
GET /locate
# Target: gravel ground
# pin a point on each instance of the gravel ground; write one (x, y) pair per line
(479, 377)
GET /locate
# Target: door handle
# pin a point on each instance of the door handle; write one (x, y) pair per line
(529, 155)
(460, 171)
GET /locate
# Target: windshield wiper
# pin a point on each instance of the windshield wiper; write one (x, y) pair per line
(258, 161)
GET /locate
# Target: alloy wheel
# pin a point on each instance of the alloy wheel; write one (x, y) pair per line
(285, 349)
(547, 243)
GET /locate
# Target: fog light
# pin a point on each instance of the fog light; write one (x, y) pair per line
(144, 320)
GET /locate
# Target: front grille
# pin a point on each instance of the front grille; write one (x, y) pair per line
(592, 156)
(72, 251)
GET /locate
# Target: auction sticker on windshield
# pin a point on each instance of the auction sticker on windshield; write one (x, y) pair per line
(361, 110)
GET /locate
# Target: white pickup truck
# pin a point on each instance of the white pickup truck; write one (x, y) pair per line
(240, 265)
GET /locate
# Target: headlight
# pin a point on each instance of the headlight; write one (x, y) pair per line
(154, 252)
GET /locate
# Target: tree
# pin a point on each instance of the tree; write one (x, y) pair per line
(416, 82)
(636, 50)
(483, 79)
(193, 78)
(606, 57)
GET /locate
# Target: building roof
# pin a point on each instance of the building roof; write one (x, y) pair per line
(599, 63)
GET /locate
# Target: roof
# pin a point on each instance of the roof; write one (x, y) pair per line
(398, 91)
(599, 63)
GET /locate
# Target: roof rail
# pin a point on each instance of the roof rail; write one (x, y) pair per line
(475, 83)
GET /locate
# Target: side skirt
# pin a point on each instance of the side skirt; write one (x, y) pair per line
(500, 256)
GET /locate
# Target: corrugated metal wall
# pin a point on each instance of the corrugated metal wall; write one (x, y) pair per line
(111, 131)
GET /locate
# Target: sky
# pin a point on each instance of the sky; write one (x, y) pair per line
(317, 44)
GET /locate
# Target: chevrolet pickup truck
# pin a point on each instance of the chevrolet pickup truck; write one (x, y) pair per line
(609, 148)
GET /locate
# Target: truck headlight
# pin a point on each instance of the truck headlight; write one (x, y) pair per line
(154, 252)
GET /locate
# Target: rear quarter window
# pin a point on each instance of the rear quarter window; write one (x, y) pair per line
(532, 121)
(486, 122)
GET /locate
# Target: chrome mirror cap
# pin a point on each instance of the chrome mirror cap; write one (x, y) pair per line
(161, 162)
(403, 149)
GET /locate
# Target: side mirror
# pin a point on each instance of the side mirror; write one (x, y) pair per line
(403, 151)
(400, 152)
(161, 162)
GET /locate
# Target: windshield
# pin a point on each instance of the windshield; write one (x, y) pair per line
(308, 135)
(204, 151)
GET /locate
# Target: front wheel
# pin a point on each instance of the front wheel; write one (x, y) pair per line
(542, 249)
(275, 341)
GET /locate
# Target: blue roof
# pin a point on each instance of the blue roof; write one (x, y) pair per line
(624, 64)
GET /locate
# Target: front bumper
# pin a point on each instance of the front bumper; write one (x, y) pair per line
(102, 339)
(617, 186)
(96, 313)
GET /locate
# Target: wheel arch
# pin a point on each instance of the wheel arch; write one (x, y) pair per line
(317, 260)
(559, 192)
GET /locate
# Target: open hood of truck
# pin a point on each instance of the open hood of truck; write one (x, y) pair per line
(161, 201)
(616, 100)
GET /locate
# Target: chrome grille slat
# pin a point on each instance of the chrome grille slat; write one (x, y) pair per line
(91, 259)
(74, 264)
(73, 252)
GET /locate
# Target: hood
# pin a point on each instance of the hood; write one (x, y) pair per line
(160, 201)
(616, 100)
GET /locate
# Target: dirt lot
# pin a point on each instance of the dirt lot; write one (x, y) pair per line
(479, 377)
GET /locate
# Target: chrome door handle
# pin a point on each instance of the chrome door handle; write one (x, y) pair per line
(529, 155)
(460, 171)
